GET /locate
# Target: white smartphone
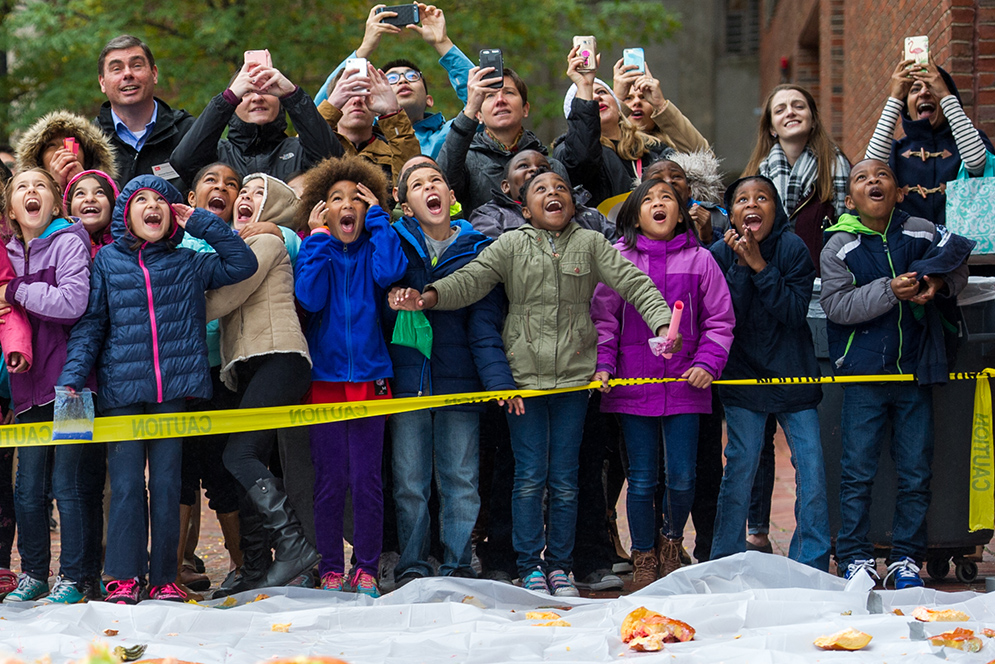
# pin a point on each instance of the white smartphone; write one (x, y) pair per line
(355, 65)
(917, 48)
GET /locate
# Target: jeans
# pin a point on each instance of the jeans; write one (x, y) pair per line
(810, 542)
(593, 547)
(127, 555)
(708, 478)
(867, 409)
(77, 474)
(678, 435)
(496, 553)
(275, 379)
(763, 484)
(347, 456)
(546, 443)
(450, 439)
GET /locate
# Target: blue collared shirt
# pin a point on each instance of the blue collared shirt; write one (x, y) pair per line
(134, 140)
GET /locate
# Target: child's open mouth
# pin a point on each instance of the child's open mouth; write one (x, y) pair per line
(753, 222)
(217, 205)
(90, 209)
(926, 110)
(32, 205)
(659, 215)
(347, 222)
(153, 219)
(553, 206)
(434, 203)
(875, 194)
(244, 213)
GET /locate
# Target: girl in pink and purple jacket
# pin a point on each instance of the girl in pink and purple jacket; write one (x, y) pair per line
(658, 239)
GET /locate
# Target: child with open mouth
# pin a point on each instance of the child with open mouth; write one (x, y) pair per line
(144, 331)
(770, 276)
(90, 198)
(549, 268)
(343, 270)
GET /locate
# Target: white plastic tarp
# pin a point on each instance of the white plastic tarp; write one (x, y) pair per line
(751, 607)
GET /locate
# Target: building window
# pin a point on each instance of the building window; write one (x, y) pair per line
(742, 27)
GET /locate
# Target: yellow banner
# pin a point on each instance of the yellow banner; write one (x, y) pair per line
(981, 515)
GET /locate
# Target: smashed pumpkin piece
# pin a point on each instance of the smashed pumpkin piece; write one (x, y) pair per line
(990, 633)
(959, 638)
(280, 627)
(542, 615)
(647, 630)
(553, 623)
(933, 615)
(847, 639)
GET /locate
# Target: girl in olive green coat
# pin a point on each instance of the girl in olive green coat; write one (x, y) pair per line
(549, 268)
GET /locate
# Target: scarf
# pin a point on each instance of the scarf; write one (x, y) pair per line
(796, 183)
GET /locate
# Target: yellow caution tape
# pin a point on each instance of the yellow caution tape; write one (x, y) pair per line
(981, 510)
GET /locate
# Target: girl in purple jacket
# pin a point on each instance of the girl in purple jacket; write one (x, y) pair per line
(657, 237)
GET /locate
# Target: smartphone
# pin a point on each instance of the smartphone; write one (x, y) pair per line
(917, 48)
(587, 47)
(355, 65)
(492, 57)
(70, 144)
(406, 15)
(262, 57)
(634, 56)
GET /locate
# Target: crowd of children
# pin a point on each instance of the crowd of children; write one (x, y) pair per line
(342, 266)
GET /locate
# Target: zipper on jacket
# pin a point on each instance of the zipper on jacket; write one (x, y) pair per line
(901, 341)
(155, 332)
(348, 313)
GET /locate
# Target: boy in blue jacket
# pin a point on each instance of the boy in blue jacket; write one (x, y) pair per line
(466, 355)
(884, 274)
(770, 277)
(342, 272)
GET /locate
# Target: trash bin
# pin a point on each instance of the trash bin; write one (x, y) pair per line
(953, 406)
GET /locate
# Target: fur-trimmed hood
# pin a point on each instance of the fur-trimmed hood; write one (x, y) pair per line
(703, 174)
(98, 152)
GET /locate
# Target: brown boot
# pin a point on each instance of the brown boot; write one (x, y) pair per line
(644, 568)
(669, 551)
(230, 530)
(186, 574)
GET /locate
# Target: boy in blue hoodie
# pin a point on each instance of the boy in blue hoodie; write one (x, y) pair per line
(770, 277)
(884, 275)
(465, 354)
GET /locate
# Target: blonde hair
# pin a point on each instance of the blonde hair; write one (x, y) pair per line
(12, 225)
(824, 147)
(633, 144)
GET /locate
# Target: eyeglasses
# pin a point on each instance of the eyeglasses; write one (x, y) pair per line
(410, 75)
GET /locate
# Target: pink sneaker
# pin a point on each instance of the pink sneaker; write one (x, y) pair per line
(333, 581)
(363, 582)
(8, 582)
(168, 593)
(123, 591)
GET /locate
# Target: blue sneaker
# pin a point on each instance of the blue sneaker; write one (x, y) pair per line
(561, 585)
(28, 589)
(64, 592)
(862, 565)
(906, 574)
(536, 582)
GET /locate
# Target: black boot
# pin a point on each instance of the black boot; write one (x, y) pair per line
(293, 555)
(256, 553)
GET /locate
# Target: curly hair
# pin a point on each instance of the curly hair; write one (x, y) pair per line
(320, 179)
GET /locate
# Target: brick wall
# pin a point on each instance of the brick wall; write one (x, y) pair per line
(847, 66)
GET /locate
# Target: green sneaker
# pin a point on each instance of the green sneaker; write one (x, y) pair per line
(28, 589)
(64, 592)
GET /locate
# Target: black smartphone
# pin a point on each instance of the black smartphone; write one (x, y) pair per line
(406, 15)
(491, 57)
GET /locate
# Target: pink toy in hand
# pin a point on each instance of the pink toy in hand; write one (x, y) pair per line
(665, 345)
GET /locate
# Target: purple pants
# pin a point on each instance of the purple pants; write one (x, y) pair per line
(348, 455)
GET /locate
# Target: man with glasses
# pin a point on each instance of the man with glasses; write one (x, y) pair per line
(406, 78)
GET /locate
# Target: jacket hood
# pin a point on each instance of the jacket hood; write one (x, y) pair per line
(245, 136)
(703, 174)
(279, 205)
(98, 152)
(468, 240)
(119, 228)
(92, 172)
(781, 222)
